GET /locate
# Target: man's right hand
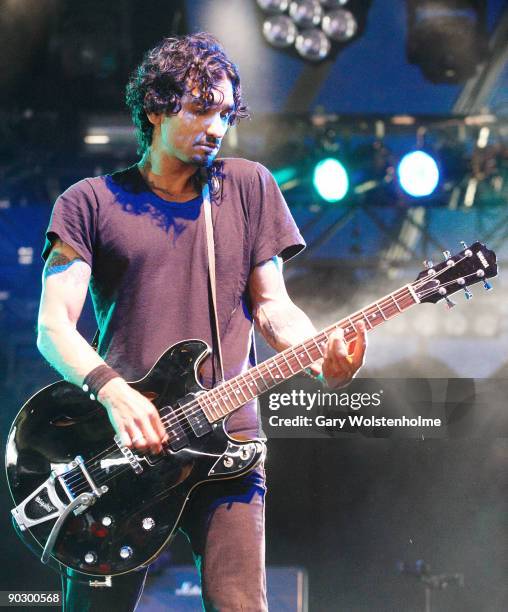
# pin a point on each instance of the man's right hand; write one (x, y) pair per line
(134, 418)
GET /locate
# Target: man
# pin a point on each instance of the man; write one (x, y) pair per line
(138, 238)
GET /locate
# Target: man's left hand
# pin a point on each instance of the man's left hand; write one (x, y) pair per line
(342, 360)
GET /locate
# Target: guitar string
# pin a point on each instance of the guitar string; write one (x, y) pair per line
(195, 407)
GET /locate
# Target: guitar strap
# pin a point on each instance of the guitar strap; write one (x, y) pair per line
(211, 270)
(210, 246)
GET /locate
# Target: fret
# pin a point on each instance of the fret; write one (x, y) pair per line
(309, 356)
(243, 383)
(402, 299)
(366, 319)
(227, 398)
(371, 317)
(237, 389)
(409, 296)
(346, 331)
(375, 319)
(269, 372)
(317, 345)
(395, 302)
(296, 357)
(203, 403)
(287, 361)
(262, 378)
(274, 360)
(215, 404)
(239, 385)
(381, 311)
(253, 382)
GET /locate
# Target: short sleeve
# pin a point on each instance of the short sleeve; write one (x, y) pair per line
(73, 220)
(274, 231)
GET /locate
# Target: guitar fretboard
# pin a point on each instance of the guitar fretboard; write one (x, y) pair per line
(234, 393)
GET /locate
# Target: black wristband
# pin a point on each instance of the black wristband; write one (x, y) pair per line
(97, 378)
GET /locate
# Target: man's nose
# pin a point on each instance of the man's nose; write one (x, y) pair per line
(217, 127)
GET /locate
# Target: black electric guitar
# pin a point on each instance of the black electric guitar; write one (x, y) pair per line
(84, 501)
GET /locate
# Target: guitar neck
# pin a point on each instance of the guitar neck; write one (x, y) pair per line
(234, 393)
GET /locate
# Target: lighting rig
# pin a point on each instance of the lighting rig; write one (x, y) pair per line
(314, 30)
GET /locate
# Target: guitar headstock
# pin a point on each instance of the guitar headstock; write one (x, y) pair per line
(474, 264)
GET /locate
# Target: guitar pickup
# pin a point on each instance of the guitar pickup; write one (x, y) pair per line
(178, 439)
(195, 416)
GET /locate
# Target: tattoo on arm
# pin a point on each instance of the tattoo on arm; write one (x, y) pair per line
(58, 262)
(277, 329)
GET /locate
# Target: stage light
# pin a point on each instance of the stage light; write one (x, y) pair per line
(330, 180)
(333, 3)
(273, 6)
(340, 25)
(280, 31)
(306, 13)
(285, 175)
(96, 139)
(447, 39)
(318, 29)
(418, 174)
(312, 45)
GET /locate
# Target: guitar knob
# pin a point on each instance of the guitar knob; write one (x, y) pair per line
(446, 254)
(228, 462)
(428, 263)
(468, 293)
(449, 303)
(487, 285)
(90, 557)
(126, 552)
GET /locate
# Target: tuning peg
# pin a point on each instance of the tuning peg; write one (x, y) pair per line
(428, 263)
(463, 244)
(467, 293)
(487, 285)
(446, 254)
(449, 303)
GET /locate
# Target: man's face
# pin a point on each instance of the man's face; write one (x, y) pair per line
(194, 135)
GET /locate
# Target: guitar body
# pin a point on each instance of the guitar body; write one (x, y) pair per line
(137, 513)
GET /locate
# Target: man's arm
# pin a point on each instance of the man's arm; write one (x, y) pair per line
(283, 324)
(65, 284)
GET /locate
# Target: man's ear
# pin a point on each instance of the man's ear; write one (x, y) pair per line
(154, 118)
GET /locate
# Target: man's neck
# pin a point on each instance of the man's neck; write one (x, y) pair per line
(168, 177)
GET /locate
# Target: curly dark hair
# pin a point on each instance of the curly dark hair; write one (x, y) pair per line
(177, 66)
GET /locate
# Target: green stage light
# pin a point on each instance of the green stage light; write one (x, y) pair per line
(330, 180)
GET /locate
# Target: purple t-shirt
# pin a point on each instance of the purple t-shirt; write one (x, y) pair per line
(149, 263)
